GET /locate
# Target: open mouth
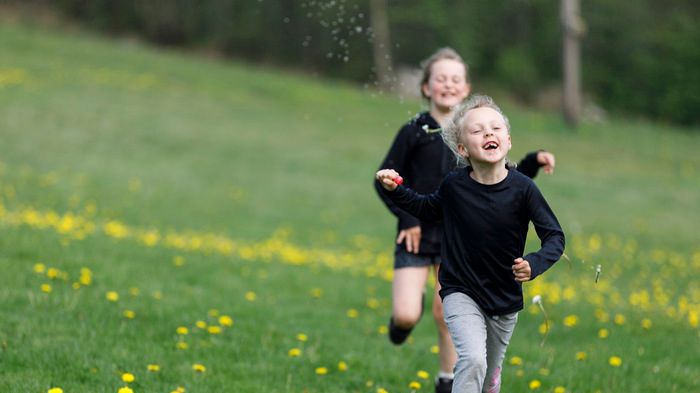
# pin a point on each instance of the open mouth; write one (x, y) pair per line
(490, 146)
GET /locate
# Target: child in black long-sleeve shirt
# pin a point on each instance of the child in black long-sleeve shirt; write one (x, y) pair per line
(486, 208)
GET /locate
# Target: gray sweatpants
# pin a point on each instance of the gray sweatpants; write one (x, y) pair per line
(480, 341)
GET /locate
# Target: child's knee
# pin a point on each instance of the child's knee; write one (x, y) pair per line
(406, 318)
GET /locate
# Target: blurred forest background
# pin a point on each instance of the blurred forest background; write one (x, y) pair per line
(638, 57)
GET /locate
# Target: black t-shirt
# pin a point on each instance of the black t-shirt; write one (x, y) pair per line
(485, 228)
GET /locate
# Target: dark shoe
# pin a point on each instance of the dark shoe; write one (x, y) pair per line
(443, 385)
(397, 335)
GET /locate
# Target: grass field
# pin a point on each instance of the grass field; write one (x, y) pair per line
(212, 226)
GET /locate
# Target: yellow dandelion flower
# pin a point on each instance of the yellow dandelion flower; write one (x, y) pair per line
(603, 333)
(55, 390)
(321, 371)
(52, 273)
(75, 285)
(619, 319)
(646, 323)
(694, 318)
(112, 296)
(560, 389)
(615, 361)
(543, 328)
(40, 268)
(181, 330)
(435, 349)
(414, 385)
(199, 368)
(581, 355)
(125, 389)
(46, 288)
(543, 372)
(85, 279)
(178, 261)
(129, 314)
(225, 320)
(128, 377)
(520, 372)
(373, 303)
(180, 389)
(382, 390)
(342, 366)
(570, 320)
(352, 313)
(422, 374)
(133, 291)
(383, 329)
(157, 295)
(213, 313)
(516, 361)
(154, 368)
(214, 329)
(250, 296)
(181, 345)
(317, 292)
(535, 384)
(302, 337)
(200, 324)
(294, 353)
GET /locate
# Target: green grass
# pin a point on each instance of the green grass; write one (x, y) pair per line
(279, 168)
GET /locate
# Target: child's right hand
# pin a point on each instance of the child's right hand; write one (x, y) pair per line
(389, 179)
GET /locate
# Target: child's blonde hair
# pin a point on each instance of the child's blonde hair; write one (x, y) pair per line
(440, 54)
(452, 134)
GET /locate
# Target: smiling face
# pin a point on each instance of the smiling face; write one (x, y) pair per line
(485, 138)
(447, 85)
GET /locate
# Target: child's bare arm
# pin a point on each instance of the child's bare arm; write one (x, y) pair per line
(389, 179)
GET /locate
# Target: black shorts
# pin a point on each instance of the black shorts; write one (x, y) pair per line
(403, 258)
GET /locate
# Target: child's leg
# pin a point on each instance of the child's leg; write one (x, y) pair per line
(448, 356)
(467, 325)
(407, 295)
(499, 331)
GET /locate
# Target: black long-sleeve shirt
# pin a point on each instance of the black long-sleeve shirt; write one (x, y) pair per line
(485, 231)
(419, 154)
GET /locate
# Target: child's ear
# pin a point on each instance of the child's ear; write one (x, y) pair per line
(462, 150)
(510, 144)
(426, 89)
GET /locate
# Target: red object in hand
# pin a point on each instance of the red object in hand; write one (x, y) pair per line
(398, 180)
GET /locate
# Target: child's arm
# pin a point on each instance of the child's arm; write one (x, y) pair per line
(532, 162)
(425, 207)
(551, 237)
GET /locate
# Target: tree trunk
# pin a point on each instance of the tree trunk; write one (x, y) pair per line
(381, 43)
(573, 29)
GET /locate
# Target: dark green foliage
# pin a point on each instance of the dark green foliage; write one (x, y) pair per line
(638, 57)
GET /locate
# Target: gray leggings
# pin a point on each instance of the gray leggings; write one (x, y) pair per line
(480, 341)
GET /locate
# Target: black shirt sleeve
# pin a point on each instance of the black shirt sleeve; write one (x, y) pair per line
(396, 159)
(426, 207)
(548, 230)
(529, 166)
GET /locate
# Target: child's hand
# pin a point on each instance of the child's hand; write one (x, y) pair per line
(521, 270)
(546, 160)
(389, 179)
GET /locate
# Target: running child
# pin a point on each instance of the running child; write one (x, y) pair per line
(485, 207)
(419, 153)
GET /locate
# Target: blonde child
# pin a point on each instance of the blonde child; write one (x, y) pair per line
(486, 208)
(419, 153)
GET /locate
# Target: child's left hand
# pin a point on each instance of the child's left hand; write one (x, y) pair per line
(546, 161)
(521, 270)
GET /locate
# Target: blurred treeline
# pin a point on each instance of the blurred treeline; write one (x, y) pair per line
(638, 56)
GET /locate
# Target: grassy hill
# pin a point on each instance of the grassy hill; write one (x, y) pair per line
(143, 191)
